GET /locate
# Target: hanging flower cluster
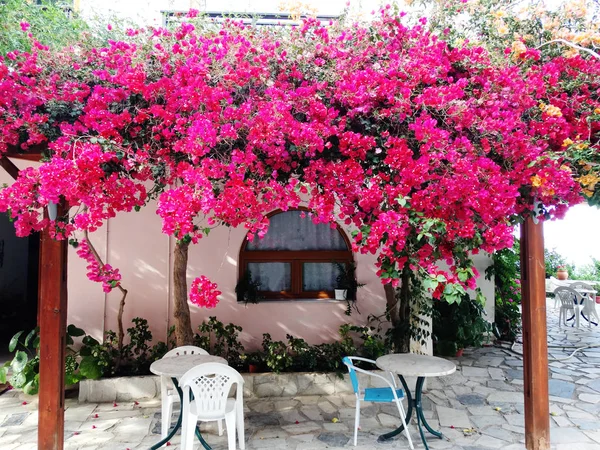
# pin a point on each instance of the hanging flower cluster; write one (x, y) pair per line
(98, 272)
(428, 151)
(204, 293)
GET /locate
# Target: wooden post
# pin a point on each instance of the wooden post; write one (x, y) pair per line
(535, 345)
(53, 324)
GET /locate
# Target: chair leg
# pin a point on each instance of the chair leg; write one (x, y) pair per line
(188, 430)
(230, 425)
(403, 418)
(241, 434)
(220, 426)
(356, 421)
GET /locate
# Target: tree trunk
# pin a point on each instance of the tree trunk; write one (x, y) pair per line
(391, 303)
(183, 323)
(404, 312)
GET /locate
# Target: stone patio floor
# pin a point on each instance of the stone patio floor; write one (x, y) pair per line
(478, 407)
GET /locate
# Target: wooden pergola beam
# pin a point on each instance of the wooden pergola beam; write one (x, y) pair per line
(52, 320)
(535, 344)
(53, 325)
(10, 167)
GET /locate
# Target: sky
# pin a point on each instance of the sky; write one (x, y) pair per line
(577, 236)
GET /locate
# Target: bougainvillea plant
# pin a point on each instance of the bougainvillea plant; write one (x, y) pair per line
(429, 152)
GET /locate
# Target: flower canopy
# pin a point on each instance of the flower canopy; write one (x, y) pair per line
(428, 152)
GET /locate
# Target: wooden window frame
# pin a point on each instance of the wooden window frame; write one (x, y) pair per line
(296, 258)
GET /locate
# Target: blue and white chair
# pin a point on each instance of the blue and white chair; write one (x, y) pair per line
(378, 395)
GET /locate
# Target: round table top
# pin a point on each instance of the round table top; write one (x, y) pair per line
(413, 365)
(176, 366)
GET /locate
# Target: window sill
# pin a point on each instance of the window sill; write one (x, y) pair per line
(297, 300)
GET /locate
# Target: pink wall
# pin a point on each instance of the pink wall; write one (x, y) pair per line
(136, 246)
(134, 243)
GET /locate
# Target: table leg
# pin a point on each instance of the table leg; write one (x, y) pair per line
(178, 423)
(418, 406)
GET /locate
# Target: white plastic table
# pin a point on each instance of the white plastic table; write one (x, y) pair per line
(174, 368)
(420, 366)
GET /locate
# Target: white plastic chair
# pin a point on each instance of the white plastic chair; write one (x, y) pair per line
(168, 393)
(589, 302)
(570, 301)
(209, 385)
(385, 394)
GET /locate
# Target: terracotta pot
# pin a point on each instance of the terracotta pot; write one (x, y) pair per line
(562, 274)
(252, 368)
(459, 352)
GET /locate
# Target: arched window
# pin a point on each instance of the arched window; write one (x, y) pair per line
(296, 259)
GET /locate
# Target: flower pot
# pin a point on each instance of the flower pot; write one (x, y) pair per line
(459, 352)
(340, 294)
(252, 368)
(562, 274)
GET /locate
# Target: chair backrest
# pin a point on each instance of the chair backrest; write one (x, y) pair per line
(185, 350)
(347, 360)
(582, 285)
(568, 296)
(210, 384)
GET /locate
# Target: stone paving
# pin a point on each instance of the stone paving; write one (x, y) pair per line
(478, 407)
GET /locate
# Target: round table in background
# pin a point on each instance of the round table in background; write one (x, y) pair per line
(420, 366)
(174, 367)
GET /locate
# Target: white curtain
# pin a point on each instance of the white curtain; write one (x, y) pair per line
(272, 276)
(290, 231)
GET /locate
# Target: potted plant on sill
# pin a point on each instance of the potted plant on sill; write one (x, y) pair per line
(254, 361)
(346, 283)
(247, 289)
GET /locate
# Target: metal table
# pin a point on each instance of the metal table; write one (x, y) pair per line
(420, 366)
(174, 368)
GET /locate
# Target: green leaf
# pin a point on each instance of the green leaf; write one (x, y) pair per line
(72, 378)
(30, 336)
(32, 387)
(20, 361)
(3, 373)
(89, 368)
(88, 340)
(18, 380)
(72, 330)
(430, 283)
(15, 341)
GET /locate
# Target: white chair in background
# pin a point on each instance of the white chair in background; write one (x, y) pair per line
(571, 301)
(589, 301)
(169, 394)
(206, 398)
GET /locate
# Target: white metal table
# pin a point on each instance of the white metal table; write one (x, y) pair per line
(420, 366)
(174, 368)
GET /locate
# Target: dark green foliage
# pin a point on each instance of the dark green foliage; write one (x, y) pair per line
(221, 340)
(458, 325)
(247, 289)
(24, 366)
(507, 284)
